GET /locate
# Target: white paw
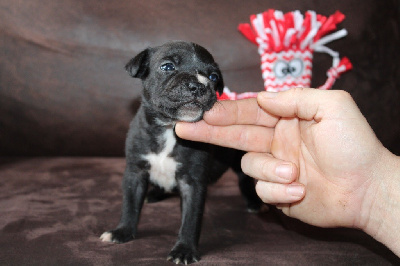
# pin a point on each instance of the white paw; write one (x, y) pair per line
(106, 237)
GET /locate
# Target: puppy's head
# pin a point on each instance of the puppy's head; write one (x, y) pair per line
(180, 80)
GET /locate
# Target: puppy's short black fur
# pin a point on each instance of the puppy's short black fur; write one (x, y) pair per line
(180, 81)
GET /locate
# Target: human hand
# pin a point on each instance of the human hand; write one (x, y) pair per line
(301, 138)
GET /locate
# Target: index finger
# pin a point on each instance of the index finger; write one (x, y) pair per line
(239, 112)
(242, 137)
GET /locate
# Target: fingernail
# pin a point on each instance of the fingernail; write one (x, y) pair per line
(176, 127)
(296, 191)
(284, 171)
(180, 129)
(268, 95)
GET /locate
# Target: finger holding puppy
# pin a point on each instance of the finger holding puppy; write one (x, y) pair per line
(241, 137)
(240, 124)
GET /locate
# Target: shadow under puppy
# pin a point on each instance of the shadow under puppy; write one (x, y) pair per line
(180, 82)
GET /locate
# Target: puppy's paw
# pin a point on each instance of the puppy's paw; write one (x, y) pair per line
(184, 254)
(120, 235)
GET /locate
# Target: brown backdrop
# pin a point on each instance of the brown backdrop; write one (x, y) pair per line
(63, 89)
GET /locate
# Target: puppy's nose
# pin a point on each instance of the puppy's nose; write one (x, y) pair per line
(197, 88)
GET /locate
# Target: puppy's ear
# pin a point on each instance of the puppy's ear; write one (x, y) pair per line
(220, 85)
(138, 67)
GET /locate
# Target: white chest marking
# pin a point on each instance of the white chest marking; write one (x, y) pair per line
(162, 166)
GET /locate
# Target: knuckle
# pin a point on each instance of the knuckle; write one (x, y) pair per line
(342, 96)
(269, 192)
(265, 168)
(243, 139)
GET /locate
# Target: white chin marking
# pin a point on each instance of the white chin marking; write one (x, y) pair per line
(106, 237)
(190, 115)
(202, 79)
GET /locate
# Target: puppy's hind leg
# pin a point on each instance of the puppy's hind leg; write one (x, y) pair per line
(134, 191)
(247, 188)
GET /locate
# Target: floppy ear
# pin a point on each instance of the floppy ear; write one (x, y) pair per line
(138, 67)
(220, 85)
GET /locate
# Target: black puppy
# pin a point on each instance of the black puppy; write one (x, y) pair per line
(180, 81)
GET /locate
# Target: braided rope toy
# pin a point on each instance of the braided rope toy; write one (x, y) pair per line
(286, 43)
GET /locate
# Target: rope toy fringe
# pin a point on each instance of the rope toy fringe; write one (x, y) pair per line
(286, 43)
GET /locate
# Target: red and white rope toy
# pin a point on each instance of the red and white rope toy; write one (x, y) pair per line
(286, 43)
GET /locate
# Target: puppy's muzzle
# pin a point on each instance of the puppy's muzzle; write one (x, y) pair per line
(196, 88)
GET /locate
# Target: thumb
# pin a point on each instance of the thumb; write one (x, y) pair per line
(306, 104)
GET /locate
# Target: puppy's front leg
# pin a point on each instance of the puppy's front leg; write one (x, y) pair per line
(134, 191)
(192, 204)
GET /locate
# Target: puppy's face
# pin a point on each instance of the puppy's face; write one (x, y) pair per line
(180, 80)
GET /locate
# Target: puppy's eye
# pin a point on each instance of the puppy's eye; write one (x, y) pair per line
(214, 77)
(167, 67)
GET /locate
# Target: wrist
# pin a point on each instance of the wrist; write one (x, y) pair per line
(380, 211)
